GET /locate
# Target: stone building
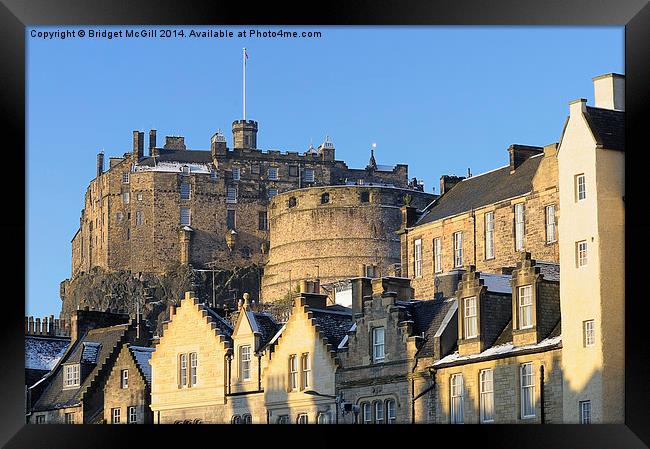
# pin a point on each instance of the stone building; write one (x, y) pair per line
(486, 220)
(591, 159)
(46, 341)
(127, 392)
(333, 233)
(74, 391)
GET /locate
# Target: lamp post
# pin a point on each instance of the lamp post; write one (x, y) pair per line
(337, 400)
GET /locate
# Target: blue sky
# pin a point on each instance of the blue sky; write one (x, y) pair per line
(440, 99)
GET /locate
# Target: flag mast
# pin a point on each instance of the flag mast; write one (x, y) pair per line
(244, 57)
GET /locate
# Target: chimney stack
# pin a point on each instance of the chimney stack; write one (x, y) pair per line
(138, 145)
(218, 144)
(152, 141)
(519, 153)
(448, 181)
(609, 91)
(100, 163)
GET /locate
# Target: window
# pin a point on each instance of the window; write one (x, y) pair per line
(371, 271)
(581, 187)
(138, 218)
(124, 378)
(303, 419)
(125, 178)
(489, 235)
(525, 307)
(230, 219)
(40, 419)
(125, 197)
(119, 216)
(182, 371)
(283, 419)
(378, 334)
(235, 419)
(236, 174)
(309, 175)
(263, 224)
(185, 216)
(379, 412)
(324, 418)
(293, 372)
(589, 333)
(585, 412)
(458, 249)
(247, 419)
(71, 378)
(213, 174)
(457, 393)
(305, 370)
(133, 416)
(185, 191)
(527, 391)
(115, 415)
(292, 202)
(231, 195)
(417, 258)
(471, 319)
(391, 412)
(69, 418)
(551, 228)
(487, 395)
(139, 196)
(128, 232)
(325, 198)
(273, 173)
(367, 413)
(244, 362)
(437, 255)
(193, 365)
(293, 170)
(581, 253)
(272, 193)
(185, 170)
(519, 227)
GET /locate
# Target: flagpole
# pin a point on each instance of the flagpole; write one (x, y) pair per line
(244, 59)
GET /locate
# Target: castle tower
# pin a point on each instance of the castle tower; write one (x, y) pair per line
(244, 134)
(591, 165)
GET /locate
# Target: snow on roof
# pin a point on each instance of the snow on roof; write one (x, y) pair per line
(504, 349)
(497, 283)
(276, 336)
(385, 167)
(344, 342)
(142, 356)
(43, 353)
(90, 352)
(175, 167)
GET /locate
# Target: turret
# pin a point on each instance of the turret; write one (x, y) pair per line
(244, 134)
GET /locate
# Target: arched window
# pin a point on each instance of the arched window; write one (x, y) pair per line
(325, 198)
(235, 420)
(365, 197)
(366, 413)
(247, 419)
(292, 201)
(391, 415)
(379, 412)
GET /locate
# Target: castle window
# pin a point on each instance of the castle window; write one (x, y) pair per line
(69, 418)
(551, 228)
(231, 219)
(185, 216)
(519, 227)
(527, 391)
(273, 173)
(125, 178)
(236, 419)
(71, 376)
(525, 294)
(115, 416)
(231, 195)
(458, 249)
(272, 193)
(581, 253)
(193, 366)
(585, 412)
(580, 187)
(324, 418)
(470, 325)
(236, 174)
(185, 170)
(293, 170)
(255, 169)
(182, 370)
(589, 333)
(185, 191)
(367, 413)
(293, 372)
(138, 218)
(456, 402)
(437, 255)
(305, 370)
(246, 141)
(417, 258)
(133, 415)
(263, 224)
(378, 335)
(245, 362)
(487, 395)
(489, 235)
(292, 201)
(309, 175)
(125, 197)
(325, 198)
(124, 377)
(379, 412)
(365, 197)
(247, 419)
(390, 411)
(303, 418)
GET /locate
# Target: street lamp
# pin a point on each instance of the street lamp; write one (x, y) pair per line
(337, 400)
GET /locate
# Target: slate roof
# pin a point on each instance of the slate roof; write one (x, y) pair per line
(90, 352)
(481, 190)
(428, 316)
(142, 355)
(54, 395)
(608, 127)
(224, 327)
(266, 326)
(334, 324)
(42, 353)
(550, 270)
(183, 156)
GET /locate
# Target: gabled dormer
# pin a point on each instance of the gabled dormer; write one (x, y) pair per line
(484, 308)
(535, 303)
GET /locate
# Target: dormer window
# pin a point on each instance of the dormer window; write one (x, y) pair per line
(470, 327)
(525, 295)
(71, 376)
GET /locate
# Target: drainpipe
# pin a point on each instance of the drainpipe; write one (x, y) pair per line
(474, 225)
(259, 372)
(541, 393)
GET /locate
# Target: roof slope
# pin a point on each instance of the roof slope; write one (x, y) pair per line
(481, 190)
(42, 353)
(333, 324)
(142, 355)
(186, 156)
(266, 326)
(608, 126)
(427, 315)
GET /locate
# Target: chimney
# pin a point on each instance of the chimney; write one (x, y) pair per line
(409, 216)
(361, 287)
(138, 145)
(84, 320)
(448, 181)
(100, 163)
(152, 141)
(314, 300)
(218, 144)
(609, 91)
(175, 143)
(519, 153)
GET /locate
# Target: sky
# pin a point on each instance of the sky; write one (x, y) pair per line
(441, 99)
